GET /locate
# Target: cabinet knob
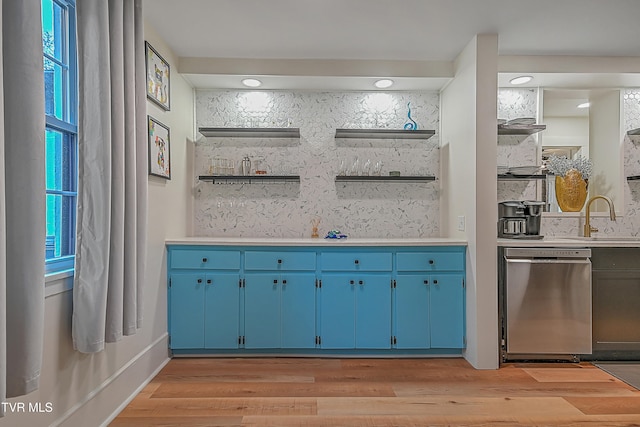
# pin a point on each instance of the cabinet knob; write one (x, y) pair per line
(279, 261)
(351, 282)
(205, 259)
(199, 280)
(275, 281)
(435, 282)
(356, 261)
(209, 281)
(426, 282)
(361, 282)
(284, 282)
(431, 261)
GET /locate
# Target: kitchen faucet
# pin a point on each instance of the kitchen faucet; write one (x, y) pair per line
(587, 223)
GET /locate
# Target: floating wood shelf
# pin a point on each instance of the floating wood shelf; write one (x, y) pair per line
(634, 132)
(406, 178)
(520, 129)
(511, 177)
(384, 133)
(248, 179)
(250, 132)
(633, 178)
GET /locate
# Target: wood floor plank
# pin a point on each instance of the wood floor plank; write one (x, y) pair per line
(371, 421)
(498, 389)
(237, 377)
(607, 405)
(569, 375)
(200, 407)
(496, 420)
(445, 406)
(180, 421)
(187, 390)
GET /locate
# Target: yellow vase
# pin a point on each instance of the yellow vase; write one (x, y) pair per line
(571, 191)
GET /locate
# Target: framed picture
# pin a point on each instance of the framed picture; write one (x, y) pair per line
(159, 149)
(158, 78)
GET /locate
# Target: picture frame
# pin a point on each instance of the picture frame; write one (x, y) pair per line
(159, 148)
(158, 77)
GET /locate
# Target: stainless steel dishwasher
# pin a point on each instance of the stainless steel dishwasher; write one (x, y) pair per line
(547, 303)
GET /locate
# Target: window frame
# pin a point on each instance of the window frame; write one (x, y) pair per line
(63, 266)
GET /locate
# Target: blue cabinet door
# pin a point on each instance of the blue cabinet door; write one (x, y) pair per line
(262, 310)
(337, 311)
(412, 311)
(222, 310)
(186, 314)
(373, 311)
(447, 311)
(298, 310)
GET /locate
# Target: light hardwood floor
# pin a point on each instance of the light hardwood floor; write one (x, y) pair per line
(313, 392)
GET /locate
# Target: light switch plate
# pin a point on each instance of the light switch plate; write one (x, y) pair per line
(461, 223)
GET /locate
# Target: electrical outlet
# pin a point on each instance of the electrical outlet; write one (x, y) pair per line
(461, 223)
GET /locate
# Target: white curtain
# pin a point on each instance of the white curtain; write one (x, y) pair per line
(112, 193)
(22, 198)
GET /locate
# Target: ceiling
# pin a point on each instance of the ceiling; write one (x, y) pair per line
(382, 30)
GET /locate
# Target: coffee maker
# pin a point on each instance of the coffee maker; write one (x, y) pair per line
(520, 219)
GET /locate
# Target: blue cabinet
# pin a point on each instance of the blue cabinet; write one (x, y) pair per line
(279, 310)
(280, 299)
(316, 300)
(356, 303)
(412, 312)
(208, 307)
(221, 310)
(204, 299)
(447, 311)
(429, 300)
(186, 303)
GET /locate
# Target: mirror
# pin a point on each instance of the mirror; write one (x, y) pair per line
(587, 123)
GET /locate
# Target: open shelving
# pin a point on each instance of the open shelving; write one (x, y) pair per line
(384, 133)
(248, 179)
(506, 129)
(250, 132)
(511, 177)
(401, 178)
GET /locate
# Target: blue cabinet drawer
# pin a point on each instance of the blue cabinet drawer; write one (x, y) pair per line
(290, 261)
(356, 261)
(430, 261)
(205, 259)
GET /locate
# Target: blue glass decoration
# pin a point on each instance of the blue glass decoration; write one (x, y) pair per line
(410, 124)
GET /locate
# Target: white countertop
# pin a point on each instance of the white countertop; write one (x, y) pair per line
(573, 242)
(350, 241)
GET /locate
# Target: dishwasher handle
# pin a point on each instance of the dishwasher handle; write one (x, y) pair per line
(549, 260)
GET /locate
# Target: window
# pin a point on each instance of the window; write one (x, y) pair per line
(61, 100)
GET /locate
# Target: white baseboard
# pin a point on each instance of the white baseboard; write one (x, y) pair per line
(157, 350)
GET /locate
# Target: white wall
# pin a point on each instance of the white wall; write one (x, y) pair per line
(469, 152)
(85, 390)
(567, 132)
(606, 148)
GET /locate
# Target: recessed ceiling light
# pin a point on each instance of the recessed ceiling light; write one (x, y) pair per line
(584, 105)
(383, 83)
(520, 80)
(251, 82)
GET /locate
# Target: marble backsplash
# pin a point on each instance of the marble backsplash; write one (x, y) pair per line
(286, 209)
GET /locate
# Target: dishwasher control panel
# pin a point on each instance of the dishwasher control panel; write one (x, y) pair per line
(547, 253)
